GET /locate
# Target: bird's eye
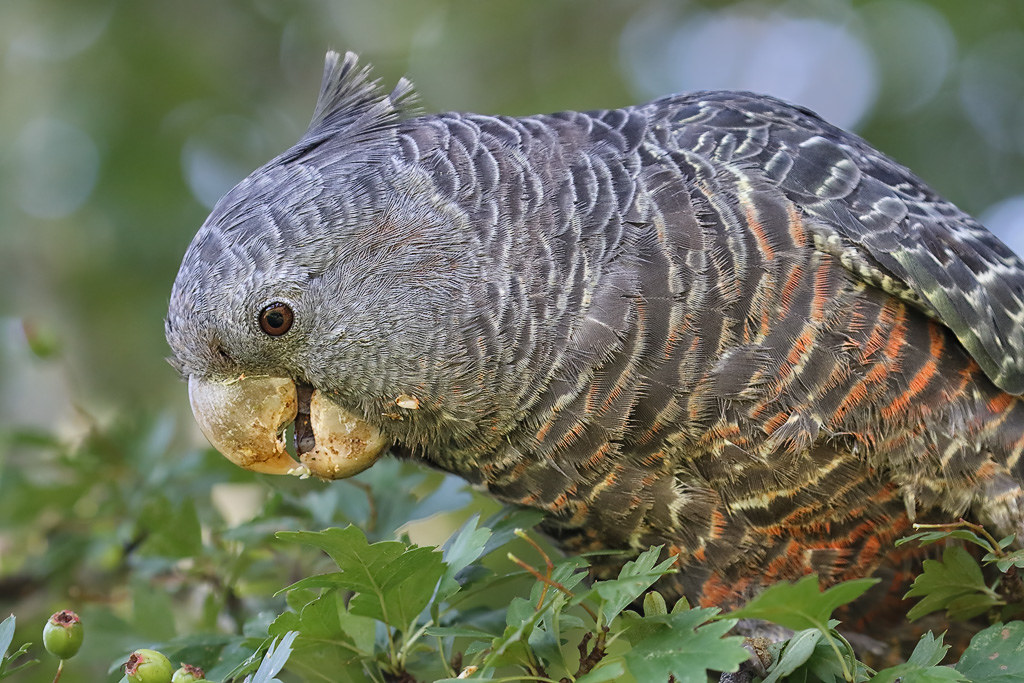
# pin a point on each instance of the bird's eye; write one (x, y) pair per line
(276, 319)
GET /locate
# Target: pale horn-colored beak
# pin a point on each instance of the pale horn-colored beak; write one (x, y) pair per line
(245, 419)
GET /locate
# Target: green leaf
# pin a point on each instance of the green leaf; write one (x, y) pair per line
(458, 632)
(824, 658)
(802, 605)
(682, 645)
(330, 638)
(6, 660)
(955, 584)
(503, 525)
(929, 651)
(463, 548)
(634, 578)
(275, 659)
(795, 654)
(610, 669)
(923, 665)
(654, 604)
(929, 537)
(1014, 559)
(393, 583)
(508, 647)
(995, 655)
(6, 635)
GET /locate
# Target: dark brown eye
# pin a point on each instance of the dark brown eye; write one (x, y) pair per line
(276, 319)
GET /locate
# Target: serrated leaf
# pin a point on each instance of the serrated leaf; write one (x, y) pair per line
(969, 606)
(635, 577)
(330, 638)
(507, 647)
(802, 605)
(275, 659)
(544, 639)
(929, 651)
(352, 553)
(995, 655)
(923, 665)
(1014, 559)
(463, 548)
(504, 524)
(684, 646)
(393, 583)
(953, 583)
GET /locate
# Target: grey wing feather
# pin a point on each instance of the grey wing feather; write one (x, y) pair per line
(878, 218)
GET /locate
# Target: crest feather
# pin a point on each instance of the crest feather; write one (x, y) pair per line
(353, 102)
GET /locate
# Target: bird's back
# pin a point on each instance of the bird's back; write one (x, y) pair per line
(735, 330)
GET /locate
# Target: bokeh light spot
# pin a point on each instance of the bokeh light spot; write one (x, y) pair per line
(1006, 220)
(219, 155)
(58, 164)
(813, 62)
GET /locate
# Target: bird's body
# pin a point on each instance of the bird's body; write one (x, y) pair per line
(713, 322)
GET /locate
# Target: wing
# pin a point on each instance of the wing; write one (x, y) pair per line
(882, 222)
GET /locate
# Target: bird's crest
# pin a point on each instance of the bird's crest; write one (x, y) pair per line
(352, 102)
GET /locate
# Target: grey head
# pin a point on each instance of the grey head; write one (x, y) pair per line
(318, 281)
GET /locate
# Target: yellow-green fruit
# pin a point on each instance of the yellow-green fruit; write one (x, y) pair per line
(188, 674)
(148, 666)
(63, 633)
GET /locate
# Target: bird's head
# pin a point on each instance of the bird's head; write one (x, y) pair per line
(312, 291)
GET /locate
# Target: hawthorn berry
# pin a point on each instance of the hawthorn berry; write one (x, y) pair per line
(188, 674)
(62, 634)
(148, 666)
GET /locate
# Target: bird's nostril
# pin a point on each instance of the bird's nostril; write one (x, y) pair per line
(222, 353)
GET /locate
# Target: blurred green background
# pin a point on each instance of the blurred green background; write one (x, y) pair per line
(122, 122)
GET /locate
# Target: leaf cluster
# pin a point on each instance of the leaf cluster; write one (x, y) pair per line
(175, 558)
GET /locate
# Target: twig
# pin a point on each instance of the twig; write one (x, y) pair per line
(550, 566)
(964, 524)
(588, 660)
(550, 582)
(60, 670)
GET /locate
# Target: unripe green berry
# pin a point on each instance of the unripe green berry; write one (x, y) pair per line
(63, 633)
(188, 674)
(148, 666)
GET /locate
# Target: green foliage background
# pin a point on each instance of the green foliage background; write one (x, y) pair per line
(120, 118)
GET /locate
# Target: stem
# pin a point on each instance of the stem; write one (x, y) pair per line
(964, 524)
(60, 670)
(547, 561)
(448, 667)
(410, 640)
(396, 665)
(847, 676)
(549, 582)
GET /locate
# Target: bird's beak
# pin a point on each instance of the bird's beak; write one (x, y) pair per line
(245, 419)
